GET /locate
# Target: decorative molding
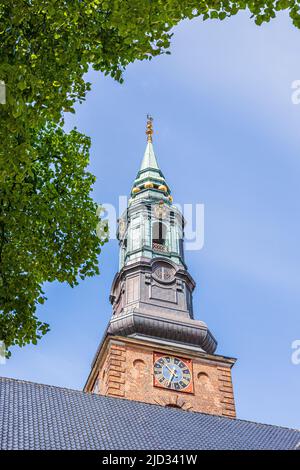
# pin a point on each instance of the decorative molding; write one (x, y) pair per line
(175, 401)
(226, 389)
(115, 366)
(154, 324)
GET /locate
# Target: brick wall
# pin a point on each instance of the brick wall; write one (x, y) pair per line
(126, 371)
(112, 374)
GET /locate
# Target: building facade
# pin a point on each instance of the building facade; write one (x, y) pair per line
(154, 350)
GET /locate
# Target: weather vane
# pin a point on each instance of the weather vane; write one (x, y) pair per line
(149, 129)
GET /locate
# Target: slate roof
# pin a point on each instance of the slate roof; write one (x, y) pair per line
(35, 416)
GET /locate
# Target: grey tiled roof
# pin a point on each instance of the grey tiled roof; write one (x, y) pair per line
(34, 416)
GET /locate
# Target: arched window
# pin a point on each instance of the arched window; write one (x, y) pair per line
(159, 232)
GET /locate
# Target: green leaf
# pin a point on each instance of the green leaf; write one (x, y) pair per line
(22, 85)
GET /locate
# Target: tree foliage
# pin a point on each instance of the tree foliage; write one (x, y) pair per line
(47, 218)
(47, 46)
(48, 230)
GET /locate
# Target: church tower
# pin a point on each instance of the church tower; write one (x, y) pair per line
(154, 350)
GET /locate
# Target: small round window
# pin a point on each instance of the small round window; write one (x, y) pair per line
(164, 272)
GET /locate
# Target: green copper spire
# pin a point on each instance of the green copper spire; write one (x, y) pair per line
(151, 226)
(150, 177)
(149, 160)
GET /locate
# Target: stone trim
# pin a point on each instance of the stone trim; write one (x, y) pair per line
(169, 327)
(226, 389)
(115, 366)
(174, 400)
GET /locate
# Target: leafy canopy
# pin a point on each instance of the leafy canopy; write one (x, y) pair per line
(47, 217)
(48, 45)
(48, 230)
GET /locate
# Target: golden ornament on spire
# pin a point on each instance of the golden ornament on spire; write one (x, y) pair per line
(149, 129)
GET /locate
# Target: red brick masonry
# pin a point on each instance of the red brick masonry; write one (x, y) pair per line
(124, 368)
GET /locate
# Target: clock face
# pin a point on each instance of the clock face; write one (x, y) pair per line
(173, 373)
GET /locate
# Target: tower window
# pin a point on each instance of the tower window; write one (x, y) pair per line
(159, 236)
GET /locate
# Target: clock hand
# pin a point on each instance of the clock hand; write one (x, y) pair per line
(172, 375)
(172, 371)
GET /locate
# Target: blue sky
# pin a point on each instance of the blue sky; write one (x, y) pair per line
(226, 135)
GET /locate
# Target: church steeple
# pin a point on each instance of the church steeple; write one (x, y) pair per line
(154, 350)
(151, 227)
(151, 234)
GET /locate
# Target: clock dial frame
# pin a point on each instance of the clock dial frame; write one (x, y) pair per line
(173, 373)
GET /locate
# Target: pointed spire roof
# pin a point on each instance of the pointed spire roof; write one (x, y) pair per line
(149, 160)
(150, 176)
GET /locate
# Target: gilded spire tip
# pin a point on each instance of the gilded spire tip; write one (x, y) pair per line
(149, 128)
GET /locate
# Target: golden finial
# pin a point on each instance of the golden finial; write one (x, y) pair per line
(149, 129)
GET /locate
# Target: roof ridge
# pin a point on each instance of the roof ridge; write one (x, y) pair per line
(12, 379)
(95, 396)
